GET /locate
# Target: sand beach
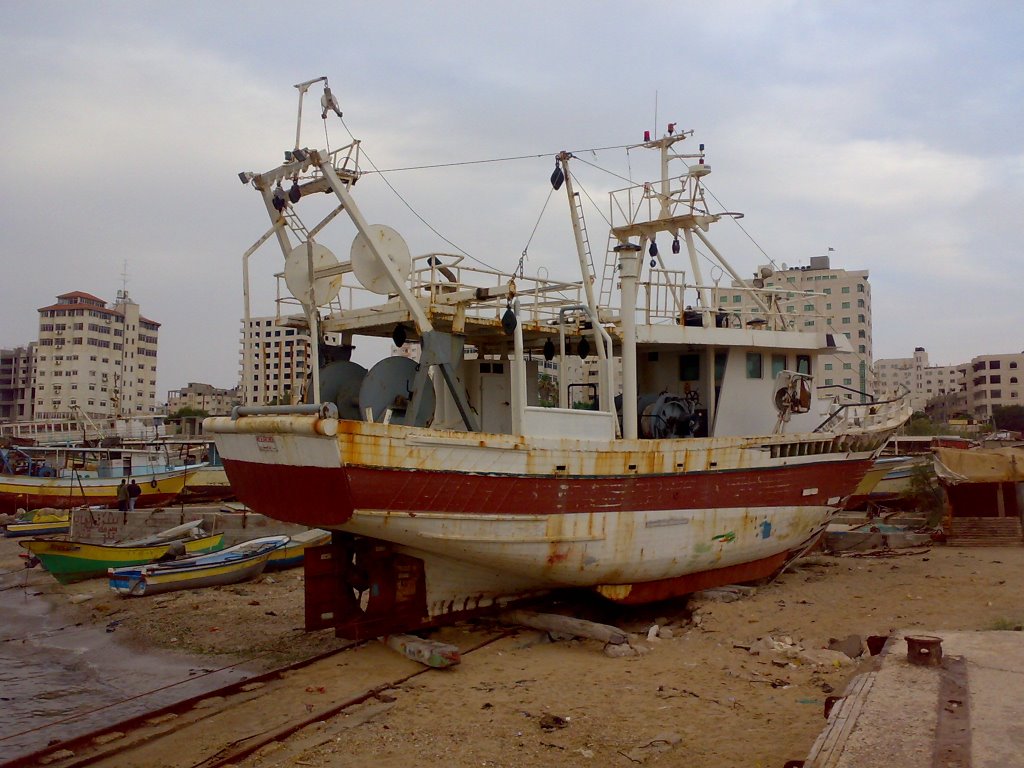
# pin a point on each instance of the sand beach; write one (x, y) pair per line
(739, 683)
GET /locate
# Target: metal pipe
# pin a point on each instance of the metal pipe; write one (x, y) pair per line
(629, 260)
(323, 410)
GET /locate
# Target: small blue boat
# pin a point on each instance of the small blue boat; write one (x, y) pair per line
(241, 562)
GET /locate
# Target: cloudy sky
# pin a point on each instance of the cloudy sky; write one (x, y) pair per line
(888, 131)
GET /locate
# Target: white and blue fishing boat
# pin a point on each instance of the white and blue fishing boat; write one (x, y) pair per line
(241, 562)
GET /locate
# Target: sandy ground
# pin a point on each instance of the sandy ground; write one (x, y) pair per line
(710, 692)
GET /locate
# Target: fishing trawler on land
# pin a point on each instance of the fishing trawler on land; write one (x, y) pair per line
(450, 486)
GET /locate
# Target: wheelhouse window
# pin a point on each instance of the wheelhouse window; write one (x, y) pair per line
(803, 364)
(754, 365)
(689, 367)
(778, 364)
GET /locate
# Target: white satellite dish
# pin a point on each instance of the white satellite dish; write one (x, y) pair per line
(296, 274)
(370, 272)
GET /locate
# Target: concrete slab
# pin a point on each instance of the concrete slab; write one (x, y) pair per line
(902, 714)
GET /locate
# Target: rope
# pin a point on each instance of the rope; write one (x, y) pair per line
(534, 232)
(496, 159)
(412, 210)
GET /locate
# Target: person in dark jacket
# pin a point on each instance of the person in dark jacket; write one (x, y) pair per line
(134, 491)
(122, 496)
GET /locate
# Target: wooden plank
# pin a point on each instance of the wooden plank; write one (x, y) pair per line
(568, 625)
(828, 747)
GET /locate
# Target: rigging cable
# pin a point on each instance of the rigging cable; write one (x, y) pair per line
(413, 210)
(526, 247)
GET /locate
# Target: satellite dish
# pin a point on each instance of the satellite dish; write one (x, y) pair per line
(296, 274)
(370, 272)
(389, 387)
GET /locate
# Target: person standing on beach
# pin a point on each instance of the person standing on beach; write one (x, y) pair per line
(122, 496)
(134, 491)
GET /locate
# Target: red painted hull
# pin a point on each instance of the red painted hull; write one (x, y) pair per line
(326, 497)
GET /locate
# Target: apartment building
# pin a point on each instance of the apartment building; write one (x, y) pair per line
(923, 380)
(832, 300)
(96, 358)
(992, 381)
(16, 383)
(203, 397)
(274, 362)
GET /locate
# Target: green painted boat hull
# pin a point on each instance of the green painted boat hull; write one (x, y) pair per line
(71, 561)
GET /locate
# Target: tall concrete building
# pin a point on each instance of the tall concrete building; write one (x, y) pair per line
(99, 359)
(992, 381)
(17, 375)
(922, 380)
(840, 302)
(274, 362)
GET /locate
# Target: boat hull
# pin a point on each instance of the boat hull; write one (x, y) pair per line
(293, 553)
(207, 484)
(38, 528)
(24, 492)
(494, 516)
(71, 561)
(238, 563)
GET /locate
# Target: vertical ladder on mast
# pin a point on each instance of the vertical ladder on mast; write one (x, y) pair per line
(610, 273)
(578, 205)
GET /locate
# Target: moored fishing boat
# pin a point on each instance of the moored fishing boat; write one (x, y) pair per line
(293, 553)
(66, 478)
(451, 486)
(69, 561)
(240, 562)
(41, 522)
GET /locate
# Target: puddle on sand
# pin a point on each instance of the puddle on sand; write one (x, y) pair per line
(52, 675)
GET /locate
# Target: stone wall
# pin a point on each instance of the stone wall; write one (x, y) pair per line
(110, 525)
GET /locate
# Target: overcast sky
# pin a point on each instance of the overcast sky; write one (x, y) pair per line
(888, 131)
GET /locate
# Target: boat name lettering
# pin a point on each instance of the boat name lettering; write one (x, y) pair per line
(266, 442)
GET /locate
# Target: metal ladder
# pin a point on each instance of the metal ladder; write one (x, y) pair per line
(610, 273)
(294, 223)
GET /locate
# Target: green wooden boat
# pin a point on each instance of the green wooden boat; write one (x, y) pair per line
(71, 561)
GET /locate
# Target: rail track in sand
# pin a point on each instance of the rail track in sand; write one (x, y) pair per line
(227, 724)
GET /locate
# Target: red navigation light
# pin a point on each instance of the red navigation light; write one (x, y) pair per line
(647, 135)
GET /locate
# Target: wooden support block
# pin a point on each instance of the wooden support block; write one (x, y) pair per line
(553, 622)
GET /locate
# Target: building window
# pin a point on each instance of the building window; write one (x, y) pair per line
(846, 305)
(846, 289)
(828, 382)
(997, 379)
(828, 366)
